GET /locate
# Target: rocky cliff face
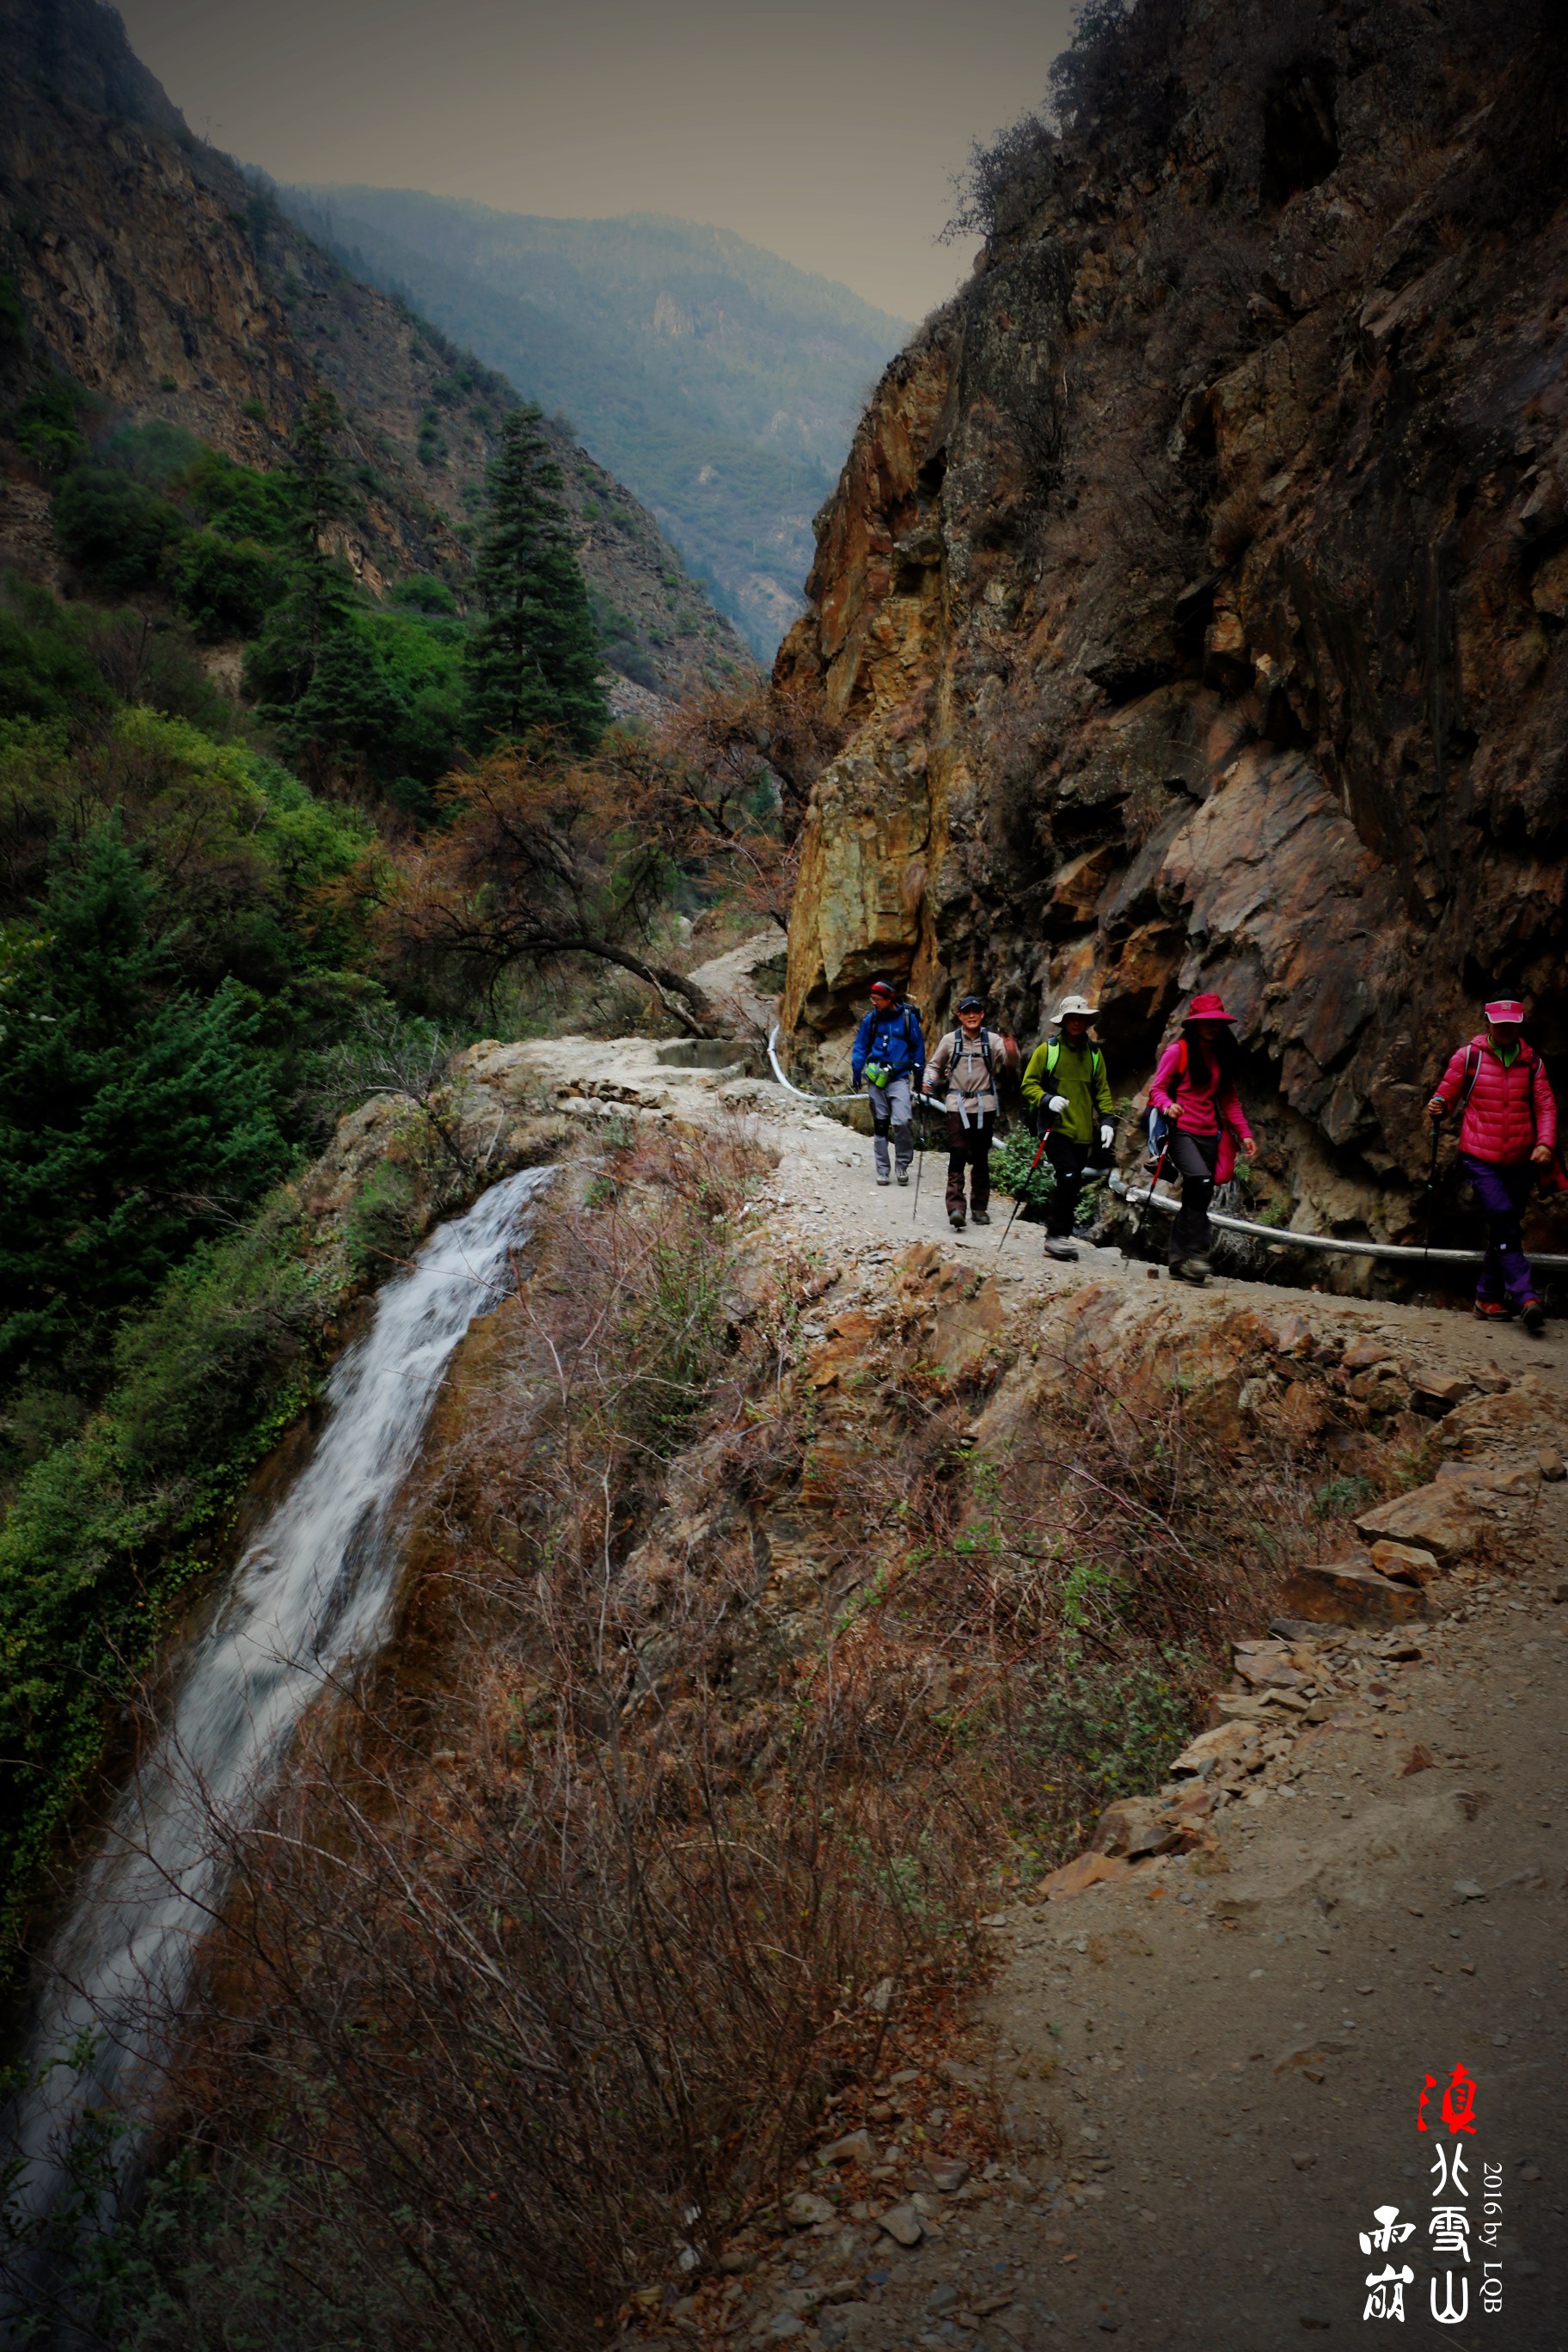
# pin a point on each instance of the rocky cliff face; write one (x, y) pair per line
(154, 273)
(1194, 591)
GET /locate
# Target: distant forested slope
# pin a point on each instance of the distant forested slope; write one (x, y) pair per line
(719, 381)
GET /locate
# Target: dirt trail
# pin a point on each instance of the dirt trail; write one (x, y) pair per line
(1212, 2063)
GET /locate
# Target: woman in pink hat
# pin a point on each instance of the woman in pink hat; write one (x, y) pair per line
(1507, 1132)
(1195, 1086)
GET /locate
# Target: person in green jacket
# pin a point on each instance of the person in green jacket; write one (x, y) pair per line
(1068, 1095)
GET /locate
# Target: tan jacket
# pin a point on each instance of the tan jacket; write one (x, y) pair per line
(958, 1071)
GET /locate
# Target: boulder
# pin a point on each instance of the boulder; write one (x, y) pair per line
(1435, 1393)
(1406, 1563)
(1442, 1518)
(1088, 1869)
(1266, 1672)
(1224, 1744)
(1135, 1826)
(1341, 1592)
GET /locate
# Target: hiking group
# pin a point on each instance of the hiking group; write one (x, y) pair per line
(1495, 1084)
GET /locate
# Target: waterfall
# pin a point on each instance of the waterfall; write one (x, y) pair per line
(310, 1600)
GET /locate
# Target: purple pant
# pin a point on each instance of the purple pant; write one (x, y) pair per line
(1502, 1194)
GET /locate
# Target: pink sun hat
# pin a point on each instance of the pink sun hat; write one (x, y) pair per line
(1505, 1008)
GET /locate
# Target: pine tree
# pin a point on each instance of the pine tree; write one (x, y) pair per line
(533, 661)
(133, 1116)
(324, 498)
(280, 664)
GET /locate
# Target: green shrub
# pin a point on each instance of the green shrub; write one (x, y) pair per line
(421, 591)
(156, 454)
(226, 587)
(105, 1531)
(47, 424)
(1010, 1169)
(114, 530)
(234, 1323)
(1113, 1726)
(240, 502)
(47, 674)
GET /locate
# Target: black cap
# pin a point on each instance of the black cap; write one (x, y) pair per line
(972, 1003)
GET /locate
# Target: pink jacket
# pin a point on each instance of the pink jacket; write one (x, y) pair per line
(1510, 1111)
(1198, 1109)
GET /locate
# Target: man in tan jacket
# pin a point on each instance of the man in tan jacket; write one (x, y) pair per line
(966, 1074)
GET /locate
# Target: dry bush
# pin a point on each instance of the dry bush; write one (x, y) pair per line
(550, 860)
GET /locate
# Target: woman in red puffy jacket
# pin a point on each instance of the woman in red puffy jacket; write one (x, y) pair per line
(1195, 1088)
(1507, 1133)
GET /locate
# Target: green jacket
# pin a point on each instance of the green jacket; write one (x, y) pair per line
(1057, 1068)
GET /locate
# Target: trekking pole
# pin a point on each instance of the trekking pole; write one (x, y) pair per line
(1023, 1193)
(920, 1154)
(1143, 1213)
(1431, 1188)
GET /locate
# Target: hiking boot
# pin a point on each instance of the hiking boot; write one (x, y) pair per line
(1190, 1269)
(1198, 1269)
(903, 1175)
(1532, 1315)
(980, 1217)
(955, 1219)
(1492, 1310)
(882, 1179)
(1059, 1249)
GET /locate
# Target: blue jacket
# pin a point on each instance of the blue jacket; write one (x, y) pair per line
(893, 1038)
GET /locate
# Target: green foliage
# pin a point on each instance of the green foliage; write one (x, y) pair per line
(422, 592)
(1112, 1725)
(533, 661)
(107, 1528)
(157, 454)
(384, 706)
(47, 424)
(240, 502)
(383, 1224)
(235, 848)
(234, 1322)
(1010, 1168)
(48, 678)
(226, 587)
(114, 528)
(1338, 1497)
(132, 1114)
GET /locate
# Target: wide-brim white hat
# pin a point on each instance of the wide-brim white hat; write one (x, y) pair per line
(1078, 1004)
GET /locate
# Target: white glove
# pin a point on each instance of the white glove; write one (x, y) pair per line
(1107, 1135)
(1056, 1105)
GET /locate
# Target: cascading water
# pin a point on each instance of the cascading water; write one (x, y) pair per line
(311, 1598)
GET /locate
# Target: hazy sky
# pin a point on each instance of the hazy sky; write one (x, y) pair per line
(827, 129)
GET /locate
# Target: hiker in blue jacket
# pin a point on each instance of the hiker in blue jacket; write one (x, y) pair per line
(888, 1055)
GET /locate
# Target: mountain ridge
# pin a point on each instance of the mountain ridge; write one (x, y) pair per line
(719, 381)
(168, 287)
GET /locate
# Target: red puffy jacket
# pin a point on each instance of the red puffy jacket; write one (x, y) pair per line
(1509, 1111)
